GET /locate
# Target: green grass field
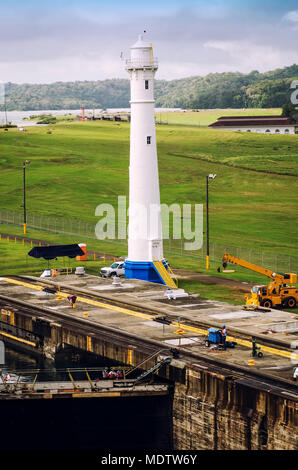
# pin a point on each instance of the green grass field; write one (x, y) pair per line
(253, 200)
(8, 264)
(208, 116)
(15, 260)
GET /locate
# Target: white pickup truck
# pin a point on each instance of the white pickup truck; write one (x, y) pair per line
(116, 269)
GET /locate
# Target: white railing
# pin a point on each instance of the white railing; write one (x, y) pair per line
(141, 63)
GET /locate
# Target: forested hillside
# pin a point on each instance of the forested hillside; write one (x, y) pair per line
(216, 90)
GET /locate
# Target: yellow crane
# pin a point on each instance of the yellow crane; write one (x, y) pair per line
(277, 293)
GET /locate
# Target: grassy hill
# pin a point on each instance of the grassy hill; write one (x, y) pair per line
(253, 200)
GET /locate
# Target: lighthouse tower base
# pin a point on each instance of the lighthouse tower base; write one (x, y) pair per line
(151, 271)
(144, 270)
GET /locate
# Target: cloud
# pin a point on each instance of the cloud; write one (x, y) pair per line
(250, 56)
(72, 40)
(291, 16)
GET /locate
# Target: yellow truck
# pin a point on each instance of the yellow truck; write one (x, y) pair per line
(279, 293)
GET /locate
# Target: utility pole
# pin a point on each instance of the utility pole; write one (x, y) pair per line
(207, 224)
(25, 164)
(210, 176)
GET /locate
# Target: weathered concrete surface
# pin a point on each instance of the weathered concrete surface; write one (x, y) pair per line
(140, 293)
(212, 409)
(213, 412)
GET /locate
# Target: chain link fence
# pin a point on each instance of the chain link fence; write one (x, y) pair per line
(275, 262)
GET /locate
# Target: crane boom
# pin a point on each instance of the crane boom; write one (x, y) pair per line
(277, 293)
(253, 267)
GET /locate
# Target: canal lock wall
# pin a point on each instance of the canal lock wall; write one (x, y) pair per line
(211, 409)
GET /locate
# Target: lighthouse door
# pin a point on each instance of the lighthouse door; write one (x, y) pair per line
(156, 250)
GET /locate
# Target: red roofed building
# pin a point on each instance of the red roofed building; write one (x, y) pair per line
(262, 124)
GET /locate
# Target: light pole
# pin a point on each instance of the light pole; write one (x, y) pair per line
(25, 164)
(210, 176)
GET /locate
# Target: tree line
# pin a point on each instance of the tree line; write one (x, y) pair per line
(215, 90)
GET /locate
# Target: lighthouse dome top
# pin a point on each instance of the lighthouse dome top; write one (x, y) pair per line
(141, 56)
(140, 44)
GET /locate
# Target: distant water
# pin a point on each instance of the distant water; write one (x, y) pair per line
(16, 117)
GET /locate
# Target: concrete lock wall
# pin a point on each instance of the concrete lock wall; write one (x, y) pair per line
(210, 409)
(212, 412)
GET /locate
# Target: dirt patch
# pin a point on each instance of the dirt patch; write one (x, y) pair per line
(213, 280)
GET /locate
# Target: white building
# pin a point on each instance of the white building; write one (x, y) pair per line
(262, 124)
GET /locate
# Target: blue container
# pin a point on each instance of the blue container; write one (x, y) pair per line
(214, 335)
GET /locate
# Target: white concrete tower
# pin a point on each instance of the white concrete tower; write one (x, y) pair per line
(145, 229)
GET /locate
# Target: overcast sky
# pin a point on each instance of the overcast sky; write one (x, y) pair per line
(67, 40)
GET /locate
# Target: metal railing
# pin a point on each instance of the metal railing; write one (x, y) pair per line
(86, 230)
(141, 63)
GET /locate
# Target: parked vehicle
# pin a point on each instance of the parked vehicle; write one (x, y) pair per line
(116, 269)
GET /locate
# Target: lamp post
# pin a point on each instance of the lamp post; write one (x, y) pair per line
(210, 176)
(25, 164)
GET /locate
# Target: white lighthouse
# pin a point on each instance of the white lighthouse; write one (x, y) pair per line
(145, 249)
